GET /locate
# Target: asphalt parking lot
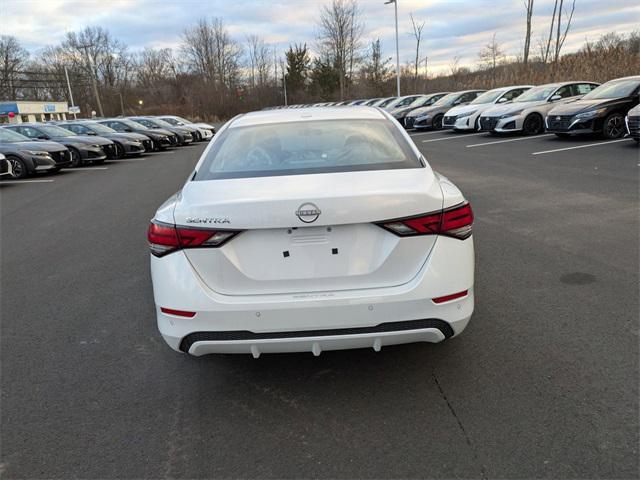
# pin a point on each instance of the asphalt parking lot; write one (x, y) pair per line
(543, 383)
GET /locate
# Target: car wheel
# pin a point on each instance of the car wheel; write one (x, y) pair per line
(532, 124)
(563, 135)
(76, 159)
(18, 166)
(119, 150)
(437, 122)
(198, 137)
(613, 126)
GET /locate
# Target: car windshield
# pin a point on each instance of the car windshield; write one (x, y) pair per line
(404, 102)
(320, 146)
(172, 121)
(7, 136)
(447, 100)
(386, 102)
(147, 123)
(161, 123)
(99, 128)
(614, 89)
(133, 125)
(54, 131)
(537, 94)
(488, 97)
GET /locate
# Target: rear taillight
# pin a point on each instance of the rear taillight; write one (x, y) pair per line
(165, 238)
(453, 222)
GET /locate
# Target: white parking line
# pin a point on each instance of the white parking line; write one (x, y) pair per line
(425, 133)
(455, 137)
(130, 160)
(5, 182)
(510, 140)
(90, 169)
(581, 146)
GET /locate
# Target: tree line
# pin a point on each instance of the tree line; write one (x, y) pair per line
(215, 75)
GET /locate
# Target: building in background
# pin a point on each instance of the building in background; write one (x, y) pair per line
(24, 111)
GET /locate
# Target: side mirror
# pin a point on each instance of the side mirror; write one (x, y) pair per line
(502, 100)
(555, 98)
(42, 137)
(456, 102)
(92, 133)
(127, 129)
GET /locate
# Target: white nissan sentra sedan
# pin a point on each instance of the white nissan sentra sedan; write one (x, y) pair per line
(309, 230)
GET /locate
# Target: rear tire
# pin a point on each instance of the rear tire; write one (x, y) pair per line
(613, 126)
(533, 124)
(18, 166)
(437, 122)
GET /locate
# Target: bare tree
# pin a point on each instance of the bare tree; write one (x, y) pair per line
(13, 58)
(340, 37)
(490, 56)
(560, 34)
(528, 5)
(375, 70)
(417, 34)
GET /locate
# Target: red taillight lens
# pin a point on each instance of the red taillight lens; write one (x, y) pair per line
(448, 298)
(453, 222)
(165, 238)
(177, 313)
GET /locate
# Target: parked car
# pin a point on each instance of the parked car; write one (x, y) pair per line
(127, 144)
(370, 103)
(431, 116)
(633, 123)
(5, 167)
(351, 254)
(161, 139)
(401, 113)
(206, 131)
(527, 112)
(28, 157)
(602, 110)
(467, 117)
(184, 135)
(383, 102)
(83, 149)
(400, 102)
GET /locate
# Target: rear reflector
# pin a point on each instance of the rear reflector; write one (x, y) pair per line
(178, 313)
(448, 298)
(165, 238)
(453, 222)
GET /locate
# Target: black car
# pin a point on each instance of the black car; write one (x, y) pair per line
(602, 110)
(184, 135)
(127, 144)
(28, 157)
(83, 148)
(160, 138)
(5, 167)
(633, 123)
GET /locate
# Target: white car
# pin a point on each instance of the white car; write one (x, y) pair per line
(311, 230)
(527, 112)
(205, 130)
(467, 117)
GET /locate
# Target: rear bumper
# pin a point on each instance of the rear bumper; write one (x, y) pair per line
(314, 322)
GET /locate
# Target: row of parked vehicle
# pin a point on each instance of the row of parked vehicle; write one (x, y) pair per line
(563, 108)
(30, 148)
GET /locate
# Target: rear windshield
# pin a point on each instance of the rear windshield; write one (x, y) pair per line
(307, 147)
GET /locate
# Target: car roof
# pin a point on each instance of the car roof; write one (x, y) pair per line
(263, 117)
(560, 84)
(511, 87)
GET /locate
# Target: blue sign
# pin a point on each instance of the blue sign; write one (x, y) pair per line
(6, 107)
(49, 108)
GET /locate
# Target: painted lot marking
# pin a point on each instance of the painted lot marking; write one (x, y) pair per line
(88, 169)
(130, 160)
(582, 146)
(425, 133)
(11, 182)
(510, 140)
(455, 137)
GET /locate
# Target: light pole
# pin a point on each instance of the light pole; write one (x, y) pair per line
(93, 73)
(395, 4)
(66, 74)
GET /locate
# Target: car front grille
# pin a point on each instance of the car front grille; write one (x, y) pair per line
(559, 122)
(449, 121)
(408, 121)
(488, 123)
(62, 156)
(634, 126)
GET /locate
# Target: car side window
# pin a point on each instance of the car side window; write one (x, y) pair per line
(116, 126)
(511, 94)
(28, 132)
(565, 92)
(583, 88)
(77, 129)
(467, 97)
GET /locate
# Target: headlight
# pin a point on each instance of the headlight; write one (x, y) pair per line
(95, 145)
(512, 114)
(591, 113)
(37, 153)
(468, 114)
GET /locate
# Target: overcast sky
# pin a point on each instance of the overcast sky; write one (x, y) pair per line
(453, 27)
